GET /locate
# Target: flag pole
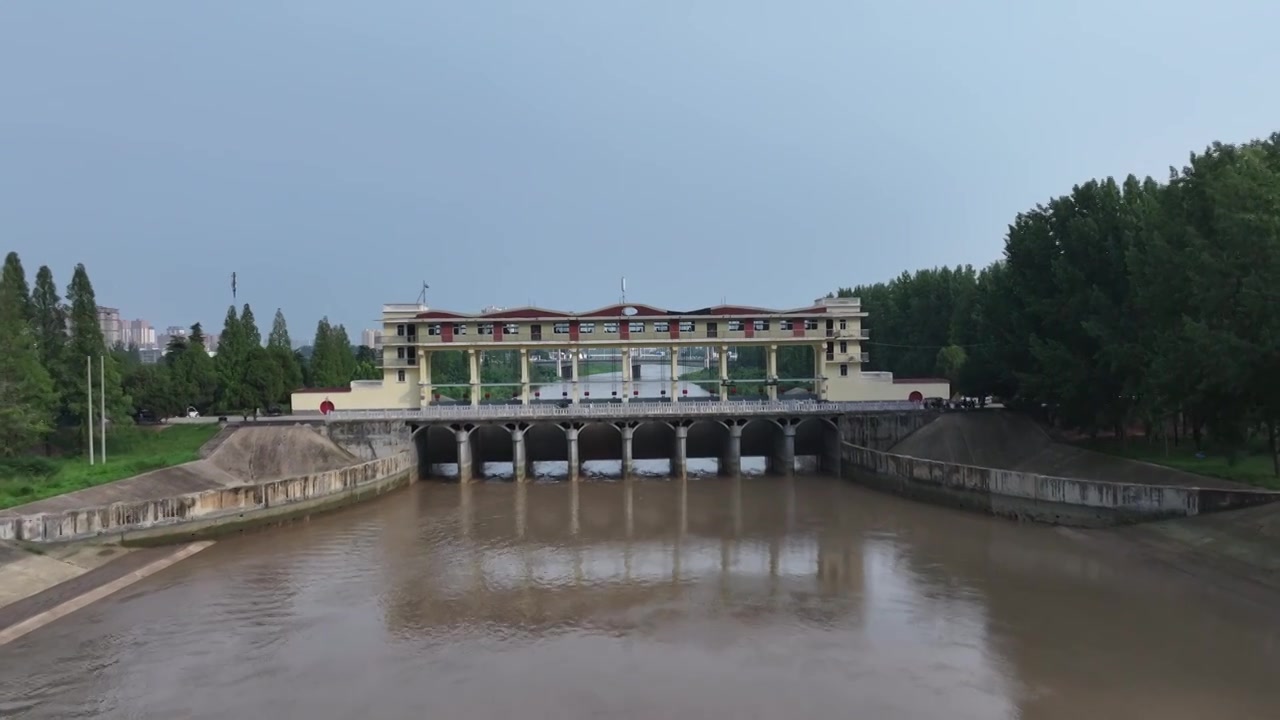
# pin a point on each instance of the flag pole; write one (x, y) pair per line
(102, 393)
(88, 359)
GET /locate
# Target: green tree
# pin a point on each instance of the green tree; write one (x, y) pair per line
(193, 379)
(263, 380)
(15, 278)
(950, 362)
(86, 342)
(280, 348)
(27, 412)
(230, 362)
(49, 324)
(152, 389)
(249, 328)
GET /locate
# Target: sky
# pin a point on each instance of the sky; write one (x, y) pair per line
(336, 155)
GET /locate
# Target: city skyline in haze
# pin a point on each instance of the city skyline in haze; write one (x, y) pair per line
(336, 156)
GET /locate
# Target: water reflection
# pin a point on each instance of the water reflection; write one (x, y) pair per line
(749, 597)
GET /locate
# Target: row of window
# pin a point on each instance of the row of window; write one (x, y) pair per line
(661, 326)
(844, 372)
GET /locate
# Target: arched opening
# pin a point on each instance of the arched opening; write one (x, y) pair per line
(491, 451)
(437, 451)
(600, 449)
(760, 437)
(546, 451)
(651, 448)
(818, 445)
(706, 445)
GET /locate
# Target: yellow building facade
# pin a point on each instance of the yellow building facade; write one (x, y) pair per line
(413, 334)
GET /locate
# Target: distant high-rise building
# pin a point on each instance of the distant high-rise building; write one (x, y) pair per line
(112, 328)
(139, 333)
(371, 338)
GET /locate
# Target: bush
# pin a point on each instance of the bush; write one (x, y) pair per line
(27, 467)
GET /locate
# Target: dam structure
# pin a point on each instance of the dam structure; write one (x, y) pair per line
(522, 435)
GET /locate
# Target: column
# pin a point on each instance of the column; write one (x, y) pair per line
(519, 455)
(675, 372)
(724, 372)
(473, 369)
(424, 377)
(628, 435)
(571, 433)
(464, 454)
(525, 395)
(679, 457)
(819, 366)
(573, 375)
(731, 457)
(771, 361)
(626, 375)
(784, 451)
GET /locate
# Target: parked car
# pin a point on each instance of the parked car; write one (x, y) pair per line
(274, 411)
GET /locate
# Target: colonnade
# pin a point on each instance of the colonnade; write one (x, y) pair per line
(782, 458)
(576, 393)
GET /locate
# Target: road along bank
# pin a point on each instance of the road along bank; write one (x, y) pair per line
(1022, 495)
(258, 474)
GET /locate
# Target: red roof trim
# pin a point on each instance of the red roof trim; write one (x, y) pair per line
(616, 310)
(441, 315)
(524, 313)
(323, 390)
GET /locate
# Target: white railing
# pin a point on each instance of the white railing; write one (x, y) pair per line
(624, 410)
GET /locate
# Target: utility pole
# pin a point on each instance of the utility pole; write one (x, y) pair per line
(88, 360)
(102, 394)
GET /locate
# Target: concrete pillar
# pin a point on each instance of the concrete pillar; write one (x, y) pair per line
(679, 454)
(724, 372)
(424, 378)
(771, 360)
(573, 375)
(473, 370)
(784, 451)
(465, 469)
(674, 392)
(731, 456)
(519, 454)
(628, 458)
(626, 375)
(571, 434)
(819, 365)
(525, 395)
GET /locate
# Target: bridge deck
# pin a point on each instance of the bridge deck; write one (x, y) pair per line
(621, 411)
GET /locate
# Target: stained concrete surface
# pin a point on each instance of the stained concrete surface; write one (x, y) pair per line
(26, 573)
(1008, 441)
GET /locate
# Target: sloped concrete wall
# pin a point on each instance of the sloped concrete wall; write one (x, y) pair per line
(1028, 496)
(370, 439)
(183, 515)
(881, 431)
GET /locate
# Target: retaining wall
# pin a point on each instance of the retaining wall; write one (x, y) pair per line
(212, 511)
(1042, 498)
(882, 431)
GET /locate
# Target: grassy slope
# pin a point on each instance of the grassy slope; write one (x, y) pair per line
(141, 450)
(1253, 469)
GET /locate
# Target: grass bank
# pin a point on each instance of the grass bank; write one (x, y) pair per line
(129, 452)
(1251, 468)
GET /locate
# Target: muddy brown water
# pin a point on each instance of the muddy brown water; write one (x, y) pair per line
(709, 598)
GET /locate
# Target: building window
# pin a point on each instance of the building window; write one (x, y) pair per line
(810, 324)
(844, 347)
(843, 324)
(585, 328)
(535, 332)
(400, 353)
(486, 328)
(784, 324)
(459, 328)
(511, 329)
(611, 328)
(735, 326)
(561, 328)
(400, 376)
(400, 330)
(433, 329)
(686, 326)
(844, 370)
(713, 329)
(662, 326)
(762, 325)
(635, 327)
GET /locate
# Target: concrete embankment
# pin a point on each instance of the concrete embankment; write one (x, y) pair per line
(1010, 486)
(255, 474)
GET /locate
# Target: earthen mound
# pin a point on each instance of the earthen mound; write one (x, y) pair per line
(254, 454)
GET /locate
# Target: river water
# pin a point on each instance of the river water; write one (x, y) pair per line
(714, 598)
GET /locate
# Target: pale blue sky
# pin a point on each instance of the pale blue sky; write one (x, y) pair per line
(335, 154)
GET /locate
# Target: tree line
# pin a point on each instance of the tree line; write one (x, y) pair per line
(1118, 305)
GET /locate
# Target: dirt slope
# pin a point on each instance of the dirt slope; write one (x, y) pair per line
(1009, 441)
(271, 452)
